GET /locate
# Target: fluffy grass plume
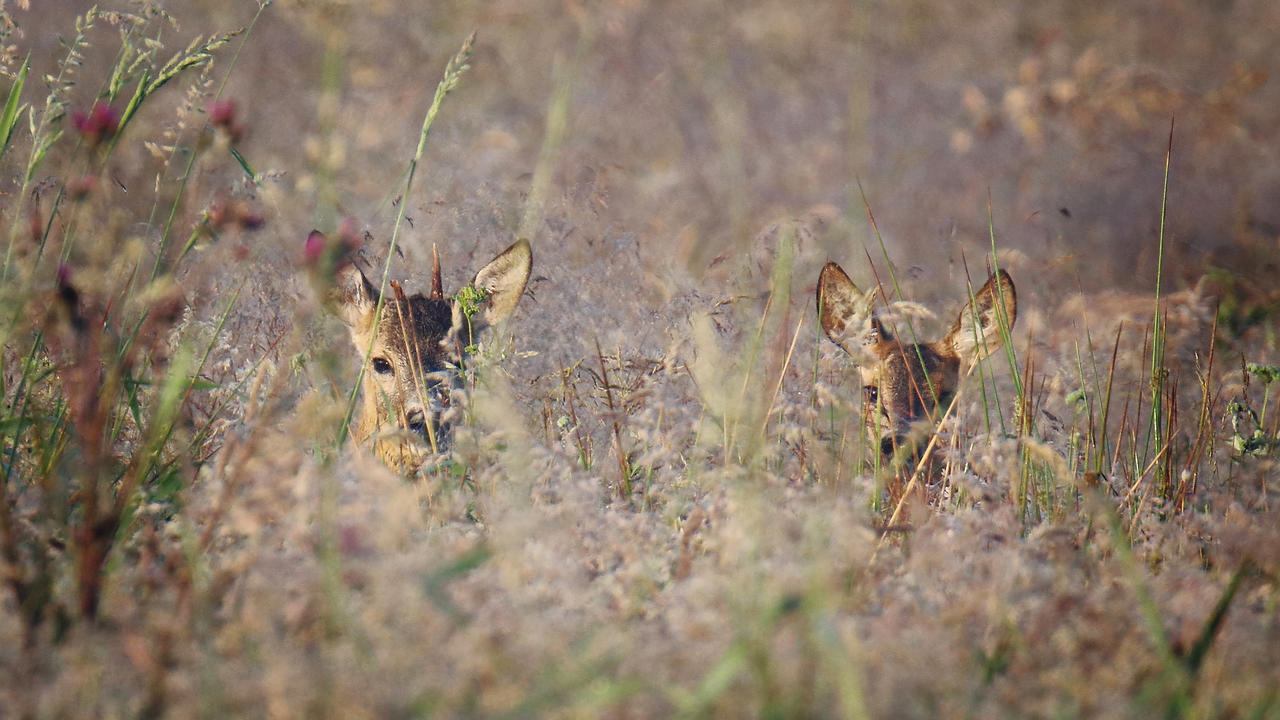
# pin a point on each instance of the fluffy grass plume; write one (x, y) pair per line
(662, 498)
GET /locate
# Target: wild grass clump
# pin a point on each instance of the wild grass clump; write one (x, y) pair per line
(662, 500)
(100, 360)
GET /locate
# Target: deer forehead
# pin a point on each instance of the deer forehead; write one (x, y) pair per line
(418, 325)
(898, 360)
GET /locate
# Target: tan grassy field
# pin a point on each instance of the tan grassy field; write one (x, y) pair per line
(661, 500)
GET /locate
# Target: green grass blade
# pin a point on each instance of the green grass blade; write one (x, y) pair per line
(11, 107)
(1195, 657)
(1157, 326)
(453, 71)
(243, 164)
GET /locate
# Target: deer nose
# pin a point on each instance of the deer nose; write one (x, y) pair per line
(416, 421)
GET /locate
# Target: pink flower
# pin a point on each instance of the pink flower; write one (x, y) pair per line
(100, 123)
(314, 246)
(349, 234)
(222, 115)
(331, 254)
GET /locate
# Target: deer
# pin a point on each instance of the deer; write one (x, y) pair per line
(412, 349)
(905, 382)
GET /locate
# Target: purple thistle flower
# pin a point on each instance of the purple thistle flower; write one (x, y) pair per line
(100, 123)
(314, 246)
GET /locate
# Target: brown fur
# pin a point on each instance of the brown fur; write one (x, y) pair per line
(412, 349)
(904, 383)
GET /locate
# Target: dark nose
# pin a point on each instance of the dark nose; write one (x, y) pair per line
(416, 421)
(888, 443)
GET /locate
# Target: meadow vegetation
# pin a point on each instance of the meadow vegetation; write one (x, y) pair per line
(661, 500)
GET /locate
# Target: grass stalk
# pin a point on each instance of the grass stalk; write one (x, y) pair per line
(453, 72)
(1158, 371)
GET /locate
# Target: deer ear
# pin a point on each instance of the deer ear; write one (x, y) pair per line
(353, 298)
(845, 312)
(499, 284)
(978, 329)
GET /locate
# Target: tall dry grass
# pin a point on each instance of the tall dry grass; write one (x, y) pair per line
(670, 511)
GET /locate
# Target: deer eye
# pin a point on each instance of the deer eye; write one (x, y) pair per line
(870, 394)
(381, 366)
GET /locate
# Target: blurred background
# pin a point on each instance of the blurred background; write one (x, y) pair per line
(690, 128)
(660, 156)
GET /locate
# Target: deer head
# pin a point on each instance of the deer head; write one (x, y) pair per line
(904, 382)
(414, 345)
